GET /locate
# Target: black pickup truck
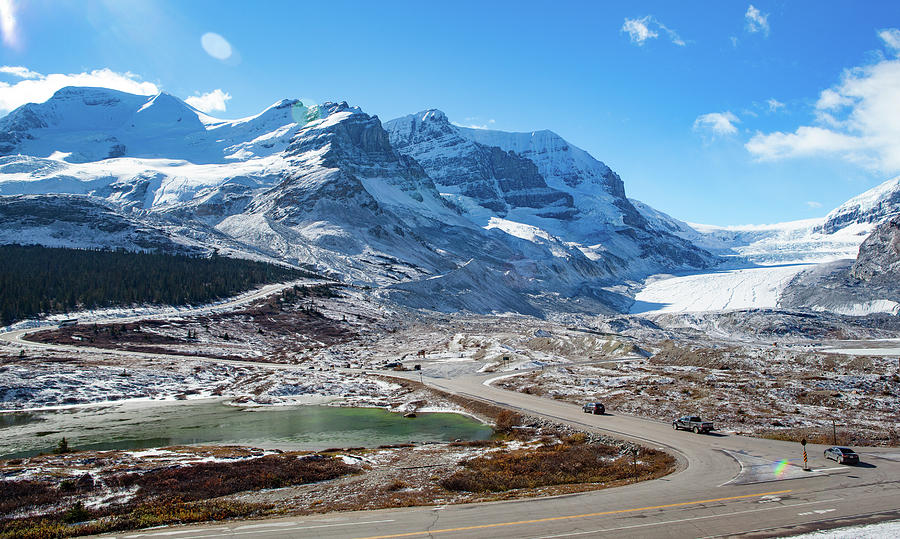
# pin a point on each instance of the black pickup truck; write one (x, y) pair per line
(692, 422)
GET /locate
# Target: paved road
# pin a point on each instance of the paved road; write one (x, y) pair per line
(726, 485)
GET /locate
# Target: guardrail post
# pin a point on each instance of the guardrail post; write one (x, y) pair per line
(634, 452)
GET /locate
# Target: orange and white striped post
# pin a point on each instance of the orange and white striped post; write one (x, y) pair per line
(805, 463)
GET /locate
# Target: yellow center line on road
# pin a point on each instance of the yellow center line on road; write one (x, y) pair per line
(570, 517)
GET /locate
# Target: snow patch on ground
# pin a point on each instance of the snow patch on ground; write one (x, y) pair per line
(862, 309)
(884, 530)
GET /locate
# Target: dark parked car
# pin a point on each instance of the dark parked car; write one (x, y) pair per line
(692, 422)
(842, 455)
(594, 408)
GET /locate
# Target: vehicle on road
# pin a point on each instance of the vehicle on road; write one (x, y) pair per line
(842, 455)
(594, 408)
(693, 423)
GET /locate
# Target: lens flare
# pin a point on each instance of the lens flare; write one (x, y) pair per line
(216, 46)
(780, 468)
(305, 113)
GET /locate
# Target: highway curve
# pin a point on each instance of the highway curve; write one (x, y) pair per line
(726, 485)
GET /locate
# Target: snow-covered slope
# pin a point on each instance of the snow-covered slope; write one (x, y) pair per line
(81, 222)
(869, 208)
(136, 183)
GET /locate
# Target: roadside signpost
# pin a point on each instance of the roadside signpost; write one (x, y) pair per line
(805, 463)
(634, 454)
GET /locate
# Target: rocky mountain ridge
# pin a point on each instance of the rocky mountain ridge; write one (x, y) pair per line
(543, 182)
(870, 283)
(879, 255)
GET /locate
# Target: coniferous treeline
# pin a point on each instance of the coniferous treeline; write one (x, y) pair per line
(38, 280)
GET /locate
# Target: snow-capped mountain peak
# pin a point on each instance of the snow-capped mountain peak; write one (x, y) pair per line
(434, 115)
(562, 164)
(544, 183)
(92, 124)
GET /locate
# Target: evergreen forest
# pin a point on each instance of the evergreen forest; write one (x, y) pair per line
(37, 280)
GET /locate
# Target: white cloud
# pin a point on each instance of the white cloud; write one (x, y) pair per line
(9, 26)
(216, 46)
(719, 123)
(891, 38)
(210, 101)
(21, 72)
(40, 87)
(774, 104)
(640, 30)
(756, 21)
(858, 120)
(831, 100)
(805, 141)
(813, 204)
(472, 125)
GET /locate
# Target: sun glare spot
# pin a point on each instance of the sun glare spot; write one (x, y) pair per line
(216, 46)
(8, 24)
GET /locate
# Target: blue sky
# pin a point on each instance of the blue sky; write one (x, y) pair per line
(715, 112)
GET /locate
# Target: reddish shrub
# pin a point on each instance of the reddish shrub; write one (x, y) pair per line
(554, 465)
(15, 495)
(214, 479)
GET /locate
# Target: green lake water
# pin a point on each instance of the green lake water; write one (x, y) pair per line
(157, 424)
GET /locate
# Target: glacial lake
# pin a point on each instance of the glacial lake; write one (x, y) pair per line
(142, 425)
